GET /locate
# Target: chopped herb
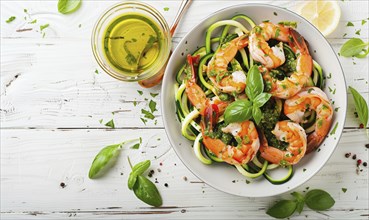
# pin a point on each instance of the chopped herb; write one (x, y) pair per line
(310, 90)
(134, 39)
(265, 21)
(134, 103)
(275, 13)
(303, 170)
(344, 35)
(154, 94)
(358, 32)
(344, 190)
(33, 22)
(248, 182)
(43, 35)
(96, 71)
(140, 92)
(12, 18)
(349, 24)
(152, 106)
(110, 124)
(42, 27)
(277, 32)
(329, 76)
(334, 129)
(336, 109)
(80, 25)
(25, 10)
(166, 9)
(100, 121)
(136, 146)
(147, 114)
(363, 22)
(143, 120)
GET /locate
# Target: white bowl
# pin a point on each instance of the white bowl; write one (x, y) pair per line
(222, 176)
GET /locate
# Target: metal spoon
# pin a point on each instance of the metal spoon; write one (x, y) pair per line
(156, 79)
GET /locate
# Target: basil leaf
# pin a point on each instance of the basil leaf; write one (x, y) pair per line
(353, 47)
(361, 106)
(300, 201)
(147, 192)
(132, 180)
(104, 160)
(256, 114)
(261, 99)
(141, 167)
(282, 209)
(319, 200)
(238, 111)
(68, 6)
(254, 83)
(137, 170)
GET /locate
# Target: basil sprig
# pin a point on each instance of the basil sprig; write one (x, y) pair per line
(143, 188)
(242, 110)
(68, 6)
(316, 199)
(361, 106)
(354, 48)
(105, 159)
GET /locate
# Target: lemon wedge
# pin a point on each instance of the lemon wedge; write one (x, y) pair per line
(324, 15)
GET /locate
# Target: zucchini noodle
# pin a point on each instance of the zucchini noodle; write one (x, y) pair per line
(190, 117)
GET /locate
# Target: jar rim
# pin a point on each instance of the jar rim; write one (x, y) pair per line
(112, 13)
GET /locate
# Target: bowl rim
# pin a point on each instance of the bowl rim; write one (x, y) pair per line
(166, 75)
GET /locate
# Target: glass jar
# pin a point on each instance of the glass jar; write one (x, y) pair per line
(113, 15)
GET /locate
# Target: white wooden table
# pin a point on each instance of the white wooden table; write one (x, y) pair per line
(52, 101)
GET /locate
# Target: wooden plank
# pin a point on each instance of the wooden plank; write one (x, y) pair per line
(32, 170)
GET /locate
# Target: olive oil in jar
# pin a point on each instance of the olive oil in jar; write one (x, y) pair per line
(132, 43)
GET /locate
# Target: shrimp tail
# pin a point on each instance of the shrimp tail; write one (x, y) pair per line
(298, 42)
(192, 61)
(313, 142)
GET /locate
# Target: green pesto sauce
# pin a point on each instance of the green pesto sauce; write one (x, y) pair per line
(271, 116)
(132, 43)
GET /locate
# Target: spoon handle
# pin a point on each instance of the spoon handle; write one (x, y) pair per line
(181, 11)
(156, 79)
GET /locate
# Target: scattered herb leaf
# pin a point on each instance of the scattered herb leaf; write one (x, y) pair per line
(334, 129)
(166, 9)
(152, 106)
(354, 47)
(68, 6)
(110, 124)
(33, 22)
(344, 190)
(363, 22)
(42, 27)
(154, 94)
(358, 32)
(349, 24)
(361, 106)
(96, 71)
(12, 18)
(105, 159)
(147, 114)
(140, 92)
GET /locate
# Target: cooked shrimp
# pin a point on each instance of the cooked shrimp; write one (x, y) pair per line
(246, 135)
(194, 92)
(294, 135)
(311, 98)
(217, 67)
(259, 48)
(291, 85)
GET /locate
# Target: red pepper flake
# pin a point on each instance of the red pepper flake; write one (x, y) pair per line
(347, 155)
(161, 164)
(361, 126)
